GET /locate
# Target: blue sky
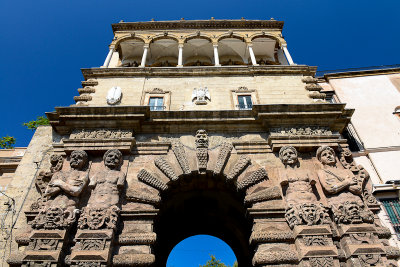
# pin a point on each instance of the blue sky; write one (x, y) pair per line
(44, 43)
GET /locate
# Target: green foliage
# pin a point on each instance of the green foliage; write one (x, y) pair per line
(7, 142)
(32, 125)
(213, 262)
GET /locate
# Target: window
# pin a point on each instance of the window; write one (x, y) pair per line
(392, 207)
(245, 102)
(156, 103)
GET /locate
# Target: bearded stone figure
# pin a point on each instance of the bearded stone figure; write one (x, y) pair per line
(298, 181)
(103, 205)
(343, 189)
(62, 195)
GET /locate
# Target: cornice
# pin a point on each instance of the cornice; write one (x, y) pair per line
(260, 119)
(199, 71)
(361, 73)
(198, 24)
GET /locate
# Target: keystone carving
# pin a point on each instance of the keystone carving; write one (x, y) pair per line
(306, 214)
(62, 195)
(223, 157)
(165, 168)
(180, 155)
(103, 205)
(202, 149)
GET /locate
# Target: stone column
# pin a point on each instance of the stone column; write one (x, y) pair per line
(108, 58)
(251, 52)
(216, 57)
(180, 55)
(145, 49)
(287, 55)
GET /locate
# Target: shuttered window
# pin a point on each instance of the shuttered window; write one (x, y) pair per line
(392, 207)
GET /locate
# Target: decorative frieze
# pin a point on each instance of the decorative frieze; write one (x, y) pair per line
(100, 134)
(302, 131)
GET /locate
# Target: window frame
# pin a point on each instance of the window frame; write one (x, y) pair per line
(243, 91)
(156, 92)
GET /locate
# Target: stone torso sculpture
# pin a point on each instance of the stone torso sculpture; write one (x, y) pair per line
(339, 183)
(343, 190)
(302, 204)
(107, 183)
(298, 181)
(62, 194)
(103, 205)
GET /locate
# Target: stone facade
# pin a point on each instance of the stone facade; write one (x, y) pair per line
(122, 184)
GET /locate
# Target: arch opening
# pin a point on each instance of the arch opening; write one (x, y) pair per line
(207, 205)
(196, 250)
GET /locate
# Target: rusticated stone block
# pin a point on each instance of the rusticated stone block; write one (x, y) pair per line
(266, 194)
(15, 259)
(253, 179)
(275, 257)
(239, 167)
(383, 232)
(166, 168)
(223, 157)
(392, 252)
(133, 259)
(137, 239)
(23, 239)
(151, 180)
(267, 236)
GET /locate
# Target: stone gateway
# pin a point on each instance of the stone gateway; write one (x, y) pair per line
(261, 165)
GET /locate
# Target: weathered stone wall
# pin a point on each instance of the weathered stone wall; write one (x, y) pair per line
(280, 89)
(304, 208)
(22, 189)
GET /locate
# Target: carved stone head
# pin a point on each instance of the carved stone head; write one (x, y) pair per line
(54, 217)
(292, 216)
(201, 139)
(309, 213)
(56, 162)
(112, 158)
(78, 159)
(96, 218)
(288, 155)
(326, 155)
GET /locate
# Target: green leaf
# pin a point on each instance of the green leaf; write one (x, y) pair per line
(7, 142)
(32, 125)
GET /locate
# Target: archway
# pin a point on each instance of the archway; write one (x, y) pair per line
(202, 204)
(197, 249)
